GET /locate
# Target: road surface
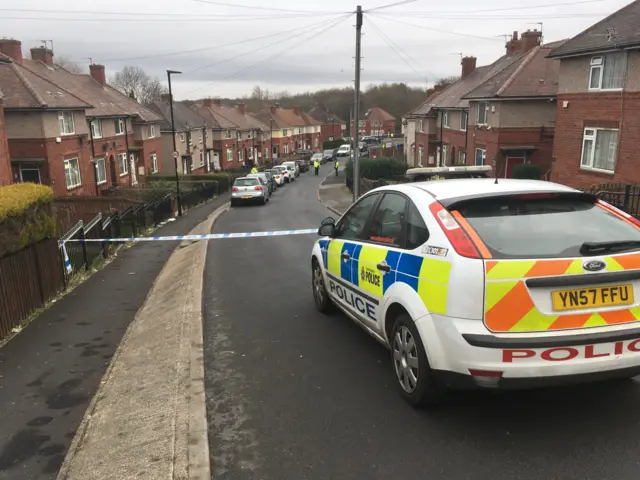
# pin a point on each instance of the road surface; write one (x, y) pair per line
(293, 394)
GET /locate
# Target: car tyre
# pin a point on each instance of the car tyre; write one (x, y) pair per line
(415, 379)
(320, 295)
(263, 201)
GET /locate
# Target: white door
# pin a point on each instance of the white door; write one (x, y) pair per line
(132, 169)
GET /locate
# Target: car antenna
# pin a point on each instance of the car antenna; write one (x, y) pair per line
(495, 171)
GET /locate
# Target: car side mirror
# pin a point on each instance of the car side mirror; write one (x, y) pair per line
(327, 230)
(328, 221)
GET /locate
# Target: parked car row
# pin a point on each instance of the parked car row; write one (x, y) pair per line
(258, 187)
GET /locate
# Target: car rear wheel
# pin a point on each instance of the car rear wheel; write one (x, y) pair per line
(320, 295)
(416, 381)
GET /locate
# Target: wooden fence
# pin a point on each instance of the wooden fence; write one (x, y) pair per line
(28, 280)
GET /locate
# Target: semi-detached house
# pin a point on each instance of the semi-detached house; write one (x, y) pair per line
(291, 129)
(331, 126)
(598, 122)
(73, 131)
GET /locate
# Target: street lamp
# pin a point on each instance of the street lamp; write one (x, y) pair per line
(173, 134)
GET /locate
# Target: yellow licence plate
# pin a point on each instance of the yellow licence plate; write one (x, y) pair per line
(592, 297)
(246, 196)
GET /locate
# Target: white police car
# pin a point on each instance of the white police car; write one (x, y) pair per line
(470, 282)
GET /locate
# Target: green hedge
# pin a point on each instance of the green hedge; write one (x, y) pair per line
(333, 144)
(377, 168)
(528, 171)
(25, 216)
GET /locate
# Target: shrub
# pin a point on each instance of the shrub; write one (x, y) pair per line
(377, 168)
(224, 180)
(528, 171)
(331, 144)
(25, 216)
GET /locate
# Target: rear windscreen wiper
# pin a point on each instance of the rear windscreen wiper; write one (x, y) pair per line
(594, 248)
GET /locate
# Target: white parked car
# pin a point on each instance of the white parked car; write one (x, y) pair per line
(249, 190)
(296, 168)
(344, 150)
(277, 175)
(485, 283)
(287, 173)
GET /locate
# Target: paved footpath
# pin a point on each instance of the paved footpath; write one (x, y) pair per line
(50, 372)
(334, 194)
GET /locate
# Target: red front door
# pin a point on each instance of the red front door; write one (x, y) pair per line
(510, 162)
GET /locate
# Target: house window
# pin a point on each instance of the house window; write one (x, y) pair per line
(445, 119)
(266, 154)
(300, 131)
(227, 134)
(240, 155)
(481, 156)
(284, 132)
(421, 125)
(481, 117)
(239, 136)
(72, 173)
(229, 155)
(462, 157)
(445, 154)
(101, 171)
(202, 159)
(285, 148)
(420, 154)
(599, 147)
(153, 160)
(67, 125)
(96, 128)
(119, 123)
(249, 134)
(182, 137)
(152, 131)
(315, 142)
(464, 118)
(607, 71)
(123, 165)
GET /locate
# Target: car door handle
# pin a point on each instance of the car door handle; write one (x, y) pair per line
(346, 256)
(383, 267)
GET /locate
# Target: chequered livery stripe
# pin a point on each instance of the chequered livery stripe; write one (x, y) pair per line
(509, 307)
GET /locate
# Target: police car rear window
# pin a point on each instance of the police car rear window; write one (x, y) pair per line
(555, 227)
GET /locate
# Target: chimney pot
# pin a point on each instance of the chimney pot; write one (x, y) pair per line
(468, 66)
(42, 54)
(11, 48)
(97, 73)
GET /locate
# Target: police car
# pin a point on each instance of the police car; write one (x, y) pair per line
(485, 283)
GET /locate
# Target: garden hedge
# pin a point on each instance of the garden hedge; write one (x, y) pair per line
(25, 216)
(377, 168)
(528, 171)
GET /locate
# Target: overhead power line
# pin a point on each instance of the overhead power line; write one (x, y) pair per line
(531, 16)
(436, 29)
(144, 14)
(396, 4)
(272, 57)
(196, 19)
(503, 9)
(255, 7)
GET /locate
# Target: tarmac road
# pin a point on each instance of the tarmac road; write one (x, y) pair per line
(294, 394)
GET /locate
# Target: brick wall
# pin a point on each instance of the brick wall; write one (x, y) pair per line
(70, 210)
(605, 110)
(456, 140)
(106, 148)
(5, 162)
(152, 145)
(330, 130)
(426, 141)
(482, 138)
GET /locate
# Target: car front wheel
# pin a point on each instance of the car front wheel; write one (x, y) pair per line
(320, 295)
(415, 379)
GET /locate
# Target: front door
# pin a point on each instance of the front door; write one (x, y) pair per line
(112, 171)
(132, 169)
(510, 162)
(30, 174)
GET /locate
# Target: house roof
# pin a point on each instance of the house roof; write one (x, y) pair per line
(24, 89)
(618, 30)
(453, 95)
(321, 114)
(231, 117)
(532, 75)
(286, 117)
(184, 117)
(378, 114)
(103, 101)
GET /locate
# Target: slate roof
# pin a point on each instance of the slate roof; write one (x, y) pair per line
(619, 30)
(532, 75)
(321, 114)
(184, 117)
(286, 118)
(231, 117)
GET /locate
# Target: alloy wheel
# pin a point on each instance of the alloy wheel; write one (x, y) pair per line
(405, 359)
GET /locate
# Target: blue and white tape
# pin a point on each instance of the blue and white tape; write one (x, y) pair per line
(206, 236)
(67, 262)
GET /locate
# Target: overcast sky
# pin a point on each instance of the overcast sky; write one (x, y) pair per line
(287, 45)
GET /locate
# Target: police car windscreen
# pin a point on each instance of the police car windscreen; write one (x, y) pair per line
(542, 227)
(246, 182)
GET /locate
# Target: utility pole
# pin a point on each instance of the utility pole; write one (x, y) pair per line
(356, 108)
(175, 148)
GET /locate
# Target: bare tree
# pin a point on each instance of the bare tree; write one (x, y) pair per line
(137, 84)
(446, 81)
(68, 65)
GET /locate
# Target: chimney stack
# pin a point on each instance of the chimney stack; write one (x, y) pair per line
(530, 40)
(11, 48)
(165, 97)
(514, 45)
(97, 73)
(274, 108)
(297, 111)
(207, 102)
(468, 66)
(241, 107)
(42, 54)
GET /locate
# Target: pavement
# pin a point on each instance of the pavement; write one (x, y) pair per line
(50, 372)
(294, 394)
(333, 192)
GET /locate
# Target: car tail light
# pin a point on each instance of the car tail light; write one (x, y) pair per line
(236, 189)
(257, 188)
(458, 238)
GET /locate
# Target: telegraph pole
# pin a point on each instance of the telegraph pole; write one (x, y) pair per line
(356, 108)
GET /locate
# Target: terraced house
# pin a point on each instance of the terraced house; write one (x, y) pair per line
(73, 131)
(291, 129)
(597, 122)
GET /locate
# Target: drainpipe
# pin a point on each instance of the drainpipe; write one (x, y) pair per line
(204, 147)
(126, 143)
(93, 160)
(441, 132)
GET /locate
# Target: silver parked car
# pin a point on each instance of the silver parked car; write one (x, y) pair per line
(249, 190)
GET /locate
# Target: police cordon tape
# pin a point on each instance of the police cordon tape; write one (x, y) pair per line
(174, 238)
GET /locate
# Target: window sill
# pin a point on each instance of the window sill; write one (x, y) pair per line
(597, 170)
(97, 138)
(119, 134)
(124, 174)
(604, 90)
(102, 182)
(67, 134)
(73, 187)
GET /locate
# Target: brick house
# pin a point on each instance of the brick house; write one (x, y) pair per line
(597, 121)
(193, 141)
(291, 129)
(512, 114)
(418, 130)
(241, 138)
(72, 131)
(5, 162)
(376, 122)
(331, 127)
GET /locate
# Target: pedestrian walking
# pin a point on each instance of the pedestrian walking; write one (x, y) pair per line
(316, 165)
(337, 166)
